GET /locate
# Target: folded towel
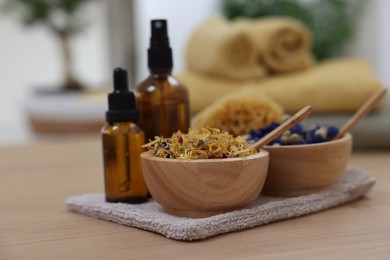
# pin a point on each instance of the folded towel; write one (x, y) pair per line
(218, 47)
(353, 184)
(333, 86)
(245, 48)
(282, 44)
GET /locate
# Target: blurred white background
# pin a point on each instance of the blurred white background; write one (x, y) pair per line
(29, 58)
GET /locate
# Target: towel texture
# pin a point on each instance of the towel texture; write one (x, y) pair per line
(149, 216)
(326, 87)
(218, 47)
(245, 48)
(282, 44)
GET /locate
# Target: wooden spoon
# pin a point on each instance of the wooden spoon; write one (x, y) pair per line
(362, 111)
(292, 121)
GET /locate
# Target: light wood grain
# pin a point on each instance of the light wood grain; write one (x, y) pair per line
(302, 169)
(35, 179)
(204, 187)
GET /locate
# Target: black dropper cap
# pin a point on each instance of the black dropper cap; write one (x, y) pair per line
(159, 52)
(121, 102)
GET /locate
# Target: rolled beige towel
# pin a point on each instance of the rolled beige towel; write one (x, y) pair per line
(218, 47)
(283, 44)
(340, 85)
(249, 48)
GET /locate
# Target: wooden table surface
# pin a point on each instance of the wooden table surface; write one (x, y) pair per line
(34, 224)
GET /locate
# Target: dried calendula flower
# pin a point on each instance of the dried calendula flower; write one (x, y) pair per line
(205, 143)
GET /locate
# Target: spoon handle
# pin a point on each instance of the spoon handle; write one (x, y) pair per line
(295, 119)
(363, 110)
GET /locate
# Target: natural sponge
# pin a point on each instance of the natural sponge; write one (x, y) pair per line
(238, 113)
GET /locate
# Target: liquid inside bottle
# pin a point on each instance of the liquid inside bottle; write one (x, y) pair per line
(163, 106)
(122, 148)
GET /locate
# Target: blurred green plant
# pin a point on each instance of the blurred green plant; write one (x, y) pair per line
(331, 22)
(62, 19)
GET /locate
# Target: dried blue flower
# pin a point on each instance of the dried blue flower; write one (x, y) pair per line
(332, 131)
(296, 135)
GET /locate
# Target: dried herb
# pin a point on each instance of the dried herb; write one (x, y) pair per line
(298, 134)
(205, 143)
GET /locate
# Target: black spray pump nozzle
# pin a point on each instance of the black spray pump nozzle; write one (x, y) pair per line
(159, 52)
(121, 102)
(159, 36)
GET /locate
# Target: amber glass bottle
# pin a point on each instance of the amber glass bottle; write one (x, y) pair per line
(162, 101)
(122, 146)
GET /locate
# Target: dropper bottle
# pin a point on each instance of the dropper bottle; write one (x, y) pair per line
(122, 146)
(162, 100)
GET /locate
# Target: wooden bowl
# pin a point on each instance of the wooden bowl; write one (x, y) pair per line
(204, 187)
(302, 169)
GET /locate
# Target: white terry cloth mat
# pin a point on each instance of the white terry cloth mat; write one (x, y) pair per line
(354, 184)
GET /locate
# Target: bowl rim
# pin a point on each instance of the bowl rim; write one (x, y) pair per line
(345, 138)
(260, 154)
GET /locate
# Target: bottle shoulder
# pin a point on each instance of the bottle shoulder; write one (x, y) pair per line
(163, 83)
(160, 90)
(121, 128)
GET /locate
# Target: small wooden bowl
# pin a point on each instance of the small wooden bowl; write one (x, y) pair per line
(302, 169)
(204, 187)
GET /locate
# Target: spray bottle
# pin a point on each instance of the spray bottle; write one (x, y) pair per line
(162, 101)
